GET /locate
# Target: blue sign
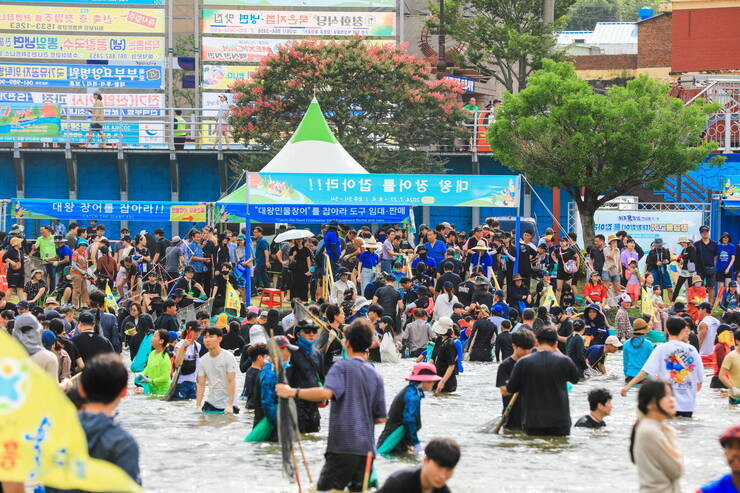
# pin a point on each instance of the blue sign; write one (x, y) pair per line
(311, 214)
(384, 189)
(97, 2)
(82, 76)
(468, 85)
(108, 210)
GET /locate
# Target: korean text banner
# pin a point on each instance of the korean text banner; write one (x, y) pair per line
(310, 214)
(647, 225)
(108, 210)
(21, 120)
(92, 76)
(301, 23)
(381, 189)
(64, 47)
(247, 50)
(109, 2)
(149, 135)
(81, 19)
(731, 187)
(366, 4)
(78, 104)
(223, 76)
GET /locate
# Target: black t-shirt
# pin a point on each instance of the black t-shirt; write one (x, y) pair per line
(162, 245)
(72, 351)
(220, 283)
(565, 329)
(562, 257)
(250, 381)
(705, 254)
(526, 256)
(301, 259)
(388, 298)
(457, 266)
(407, 481)
(448, 276)
(465, 292)
(9, 306)
(445, 355)
(588, 422)
(482, 297)
(502, 377)
(155, 288)
(209, 251)
(90, 344)
(188, 286)
(597, 257)
(541, 378)
(166, 322)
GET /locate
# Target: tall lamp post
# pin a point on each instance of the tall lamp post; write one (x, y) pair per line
(441, 61)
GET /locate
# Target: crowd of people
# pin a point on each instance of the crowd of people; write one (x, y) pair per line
(547, 312)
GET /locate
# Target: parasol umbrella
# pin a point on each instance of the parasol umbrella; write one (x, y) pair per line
(293, 234)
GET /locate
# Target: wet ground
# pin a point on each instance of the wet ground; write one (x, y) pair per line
(185, 451)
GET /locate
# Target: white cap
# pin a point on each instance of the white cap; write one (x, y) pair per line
(443, 325)
(613, 341)
(625, 298)
(257, 335)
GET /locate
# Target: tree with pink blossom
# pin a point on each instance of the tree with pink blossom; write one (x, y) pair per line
(383, 104)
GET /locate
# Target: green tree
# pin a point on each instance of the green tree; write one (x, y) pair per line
(184, 47)
(560, 133)
(584, 14)
(378, 100)
(505, 39)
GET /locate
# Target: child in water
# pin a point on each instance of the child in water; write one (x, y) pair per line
(404, 415)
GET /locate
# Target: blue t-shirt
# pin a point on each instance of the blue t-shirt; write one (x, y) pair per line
(635, 353)
(63, 252)
(259, 251)
(429, 262)
(359, 399)
(437, 252)
(331, 244)
(722, 485)
(593, 353)
(724, 255)
(368, 259)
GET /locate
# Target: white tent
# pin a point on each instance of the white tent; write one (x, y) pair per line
(313, 149)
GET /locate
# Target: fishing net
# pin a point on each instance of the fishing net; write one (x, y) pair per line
(261, 432)
(392, 441)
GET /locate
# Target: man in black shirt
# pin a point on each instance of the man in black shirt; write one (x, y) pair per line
(541, 378)
(441, 457)
(161, 248)
(706, 260)
(527, 254)
(600, 404)
(481, 294)
(457, 266)
(388, 297)
(448, 276)
(522, 342)
(167, 320)
(56, 325)
(565, 326)
(596, 254)
(465, 292)
(88, 343)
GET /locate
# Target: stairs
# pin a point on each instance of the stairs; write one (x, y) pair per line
(679, 188)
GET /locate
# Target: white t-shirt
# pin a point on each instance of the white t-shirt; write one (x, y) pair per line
(707, 346)
(216, 370)
(191, 354)
(679, 364)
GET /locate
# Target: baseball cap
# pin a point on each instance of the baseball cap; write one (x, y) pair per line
(87, 318)
(731, 433)
(263, 314)
(613, 341)
(283, 342)
(704, 306)
(703, 229)
(625, 298)
(23, 305)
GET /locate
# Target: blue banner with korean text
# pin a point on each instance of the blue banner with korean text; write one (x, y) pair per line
(311, 214)
(384, 189)
(108, 210)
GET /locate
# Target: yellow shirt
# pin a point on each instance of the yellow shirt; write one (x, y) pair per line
(732, 364)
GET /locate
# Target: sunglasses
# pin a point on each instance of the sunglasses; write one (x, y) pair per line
(313, 330)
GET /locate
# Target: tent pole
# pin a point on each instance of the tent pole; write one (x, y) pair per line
(248, 235)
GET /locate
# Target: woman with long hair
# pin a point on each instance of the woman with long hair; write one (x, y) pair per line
(653, 444)
(272, 325)
(445, 301)
(223, 255)
(158, 366)
(144, 327)
(299, 265)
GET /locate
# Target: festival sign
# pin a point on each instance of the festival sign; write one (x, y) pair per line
(647, 225)
(108, 210)
(302, 23)
(20, 120)
(81, 19)
(384, 189)
(310, 214)
(223, 76)
(79, 103)
(731, 187)
(64, 47)
(365, 4)
(143, 135)
(109, 2)
(246, 50)
(92, 76)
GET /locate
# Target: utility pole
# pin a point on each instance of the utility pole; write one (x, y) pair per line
(441, 61)
(548, 11)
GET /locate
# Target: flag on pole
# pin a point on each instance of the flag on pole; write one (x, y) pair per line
(495, 282)
(43, 441)
(648, 307)
(549, 299)
(233, 301)
(110, 300)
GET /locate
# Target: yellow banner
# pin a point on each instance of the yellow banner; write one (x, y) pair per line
(81, 19)
(188, 213)
(63, 47)
(42, 439)
(223, 76)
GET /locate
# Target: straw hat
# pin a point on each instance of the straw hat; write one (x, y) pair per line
(612, 238)
(371, 244)
(481, 245)
(516, 277)
(695, 279)
(639, 326)
(683, 239)
(15, 241)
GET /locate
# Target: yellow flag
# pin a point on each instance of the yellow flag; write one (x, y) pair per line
(233, 301)
(42, 439)
(647, 305)
(110, 300)
(549, 299)
(495, 282)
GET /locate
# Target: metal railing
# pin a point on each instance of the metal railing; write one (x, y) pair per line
(724, 126)
(155, 128)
